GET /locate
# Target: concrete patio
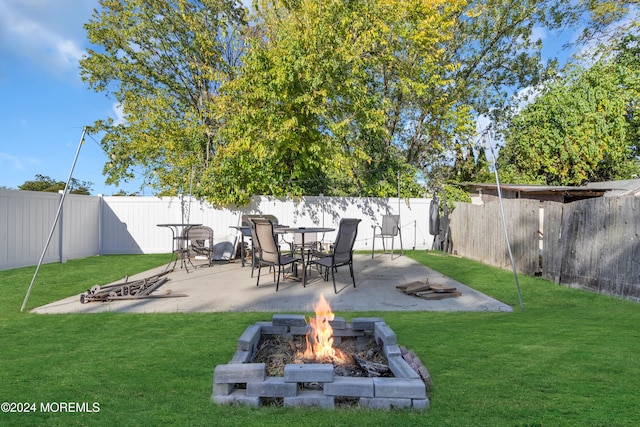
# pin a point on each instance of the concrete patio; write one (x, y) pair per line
(226, 287)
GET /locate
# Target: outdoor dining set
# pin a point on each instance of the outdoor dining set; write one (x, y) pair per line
(291, 252)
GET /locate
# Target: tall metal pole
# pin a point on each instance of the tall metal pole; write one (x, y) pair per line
(504, 221)
(55, 221)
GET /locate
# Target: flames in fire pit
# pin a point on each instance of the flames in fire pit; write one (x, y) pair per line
(320, 337)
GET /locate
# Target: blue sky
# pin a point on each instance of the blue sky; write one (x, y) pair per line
(44, 104)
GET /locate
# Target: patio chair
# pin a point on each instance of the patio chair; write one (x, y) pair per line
(342, 253)
(390, 228)
(199, 243)
(268, 252)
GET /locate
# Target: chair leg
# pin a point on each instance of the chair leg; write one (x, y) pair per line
(352, 275)
(278, 281)
(259, 267)
(335, 290)
(373, 244)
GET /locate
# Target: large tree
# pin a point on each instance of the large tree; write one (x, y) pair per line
(306, 96)
(580, 128)
(324, 91)
(164, 62)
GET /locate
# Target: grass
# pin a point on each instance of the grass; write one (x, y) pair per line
(569, 358)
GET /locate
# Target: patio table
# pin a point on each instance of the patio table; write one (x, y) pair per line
(177, 241)
(302, 231)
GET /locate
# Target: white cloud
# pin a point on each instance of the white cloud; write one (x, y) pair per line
(15, 162)
(47, 32)
(119, 114)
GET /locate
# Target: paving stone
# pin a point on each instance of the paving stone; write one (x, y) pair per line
(349, 386)
(310, 398)
(250, 337)
(289, 320)
(308, 373)
(272, 387)
(239, 373)
(399, 388)
(384, 334)
(268, 328)
(401, 369)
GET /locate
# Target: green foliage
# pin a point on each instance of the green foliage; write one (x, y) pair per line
(307, 97)
(45, 183)
(580, 128)
(164, 61)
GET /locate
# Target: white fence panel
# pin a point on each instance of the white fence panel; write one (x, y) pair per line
(94, 225)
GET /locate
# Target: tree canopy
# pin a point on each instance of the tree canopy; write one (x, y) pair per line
(300, 97)
(580, 128)
(48, 184)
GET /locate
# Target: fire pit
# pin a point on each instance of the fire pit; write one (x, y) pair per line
(316, 376)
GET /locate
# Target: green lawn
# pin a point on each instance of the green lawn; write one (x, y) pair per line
(569, 358)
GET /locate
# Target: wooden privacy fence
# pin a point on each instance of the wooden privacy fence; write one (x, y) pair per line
(592, 244)
(478, 233)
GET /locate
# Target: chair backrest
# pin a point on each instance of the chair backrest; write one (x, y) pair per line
(343, 246)
(255, 243)
(199, 236)
(247, 218)
(269, 251)
(309, 239)
(390, 225)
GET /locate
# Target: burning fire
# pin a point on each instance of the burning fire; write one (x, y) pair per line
(320, 338)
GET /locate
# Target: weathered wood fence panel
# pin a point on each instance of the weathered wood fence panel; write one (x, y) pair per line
(594, 244)
(478, 233)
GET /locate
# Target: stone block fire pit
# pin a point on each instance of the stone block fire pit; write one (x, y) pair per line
(244, 382)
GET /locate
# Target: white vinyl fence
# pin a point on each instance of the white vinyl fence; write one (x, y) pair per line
(96, 225)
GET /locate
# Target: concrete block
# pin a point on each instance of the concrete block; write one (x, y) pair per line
(384, 334)
(223, 389)
(384, 403)
(349, 386)
(288, 320)
(348, 331)
(242, 356)
(308, 373)
(249, 339)
(272, 387)
(399, 388)
(420, 404)
(365, 323)
(310, 398)
(239, 373)
(338, 323)
(268, 328)
(392, 350)
(401, 369)
(299, 330)
(238, 397)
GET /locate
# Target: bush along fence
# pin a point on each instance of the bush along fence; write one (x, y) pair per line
(592, 244)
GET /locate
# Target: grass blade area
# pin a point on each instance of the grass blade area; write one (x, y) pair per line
(568, 358)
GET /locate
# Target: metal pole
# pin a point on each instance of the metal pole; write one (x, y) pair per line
(46, 246)
(504, 221)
